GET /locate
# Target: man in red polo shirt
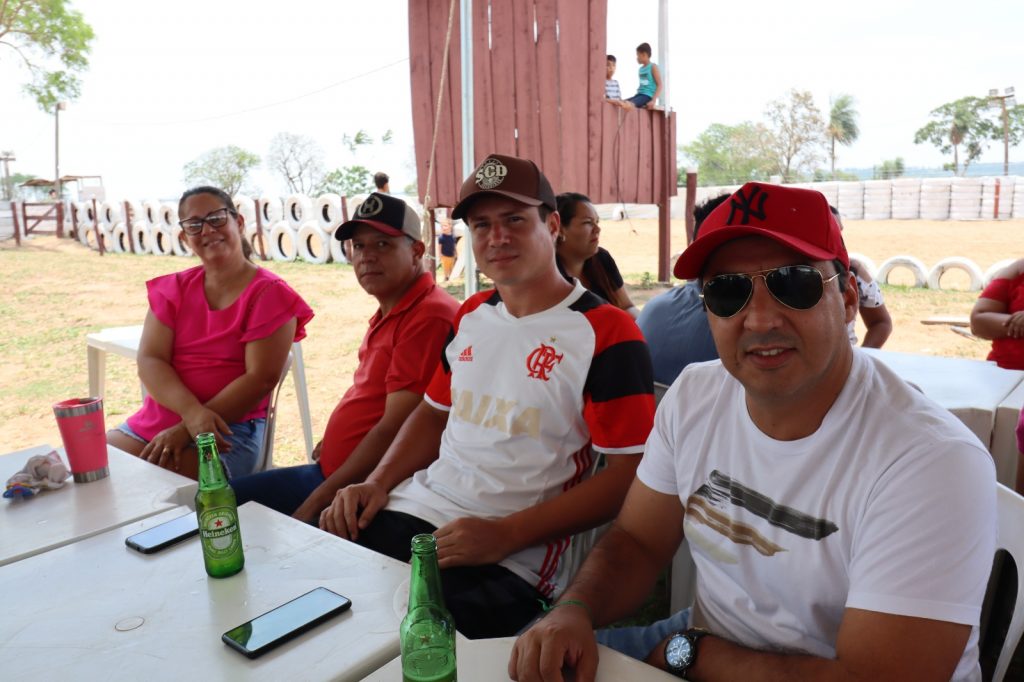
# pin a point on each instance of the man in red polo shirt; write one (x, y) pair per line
(397, 358)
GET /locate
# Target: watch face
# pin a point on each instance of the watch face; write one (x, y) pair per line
(679, 652)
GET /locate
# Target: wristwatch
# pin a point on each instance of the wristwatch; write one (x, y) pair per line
(681, 650)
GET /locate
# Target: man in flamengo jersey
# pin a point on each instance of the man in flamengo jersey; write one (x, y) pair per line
(539, 378)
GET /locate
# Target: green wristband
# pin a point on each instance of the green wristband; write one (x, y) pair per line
(570, 602)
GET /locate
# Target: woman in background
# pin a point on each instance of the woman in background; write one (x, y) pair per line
(213, 346)
(580, 256)
(998, 315)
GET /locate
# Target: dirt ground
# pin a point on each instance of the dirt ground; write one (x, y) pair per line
(53, 293)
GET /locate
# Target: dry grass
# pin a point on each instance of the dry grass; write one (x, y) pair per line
(55, 292)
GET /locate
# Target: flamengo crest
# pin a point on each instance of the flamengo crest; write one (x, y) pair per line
(490, 174)
(541, 361)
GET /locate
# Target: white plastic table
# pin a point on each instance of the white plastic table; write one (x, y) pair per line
(487, 659)
(134, 490)
(970, 389)
(124, 341)
(1004, 437)
(96, 610)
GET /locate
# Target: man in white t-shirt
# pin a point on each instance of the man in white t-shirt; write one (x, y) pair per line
(539, 378)
(842, 524)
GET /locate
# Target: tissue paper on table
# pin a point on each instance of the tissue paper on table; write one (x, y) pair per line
(41, 472)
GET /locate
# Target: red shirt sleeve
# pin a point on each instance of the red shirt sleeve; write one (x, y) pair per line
(618, 400)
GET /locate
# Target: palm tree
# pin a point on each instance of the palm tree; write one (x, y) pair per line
(842, 125)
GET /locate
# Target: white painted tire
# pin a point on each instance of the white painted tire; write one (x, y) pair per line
(111, 213)
(91, 237)
(298, 210)
(312, 244)
(956, 263)
(270, 209)
(142, 236)
(246, 208)
(865, 262)
(328, 212)
(161, 241)
(168, 216)
(337, 253)
(283, 242)
(178, 244)
(119, 239)
(990, 274)
(915, 266)
(151, 211)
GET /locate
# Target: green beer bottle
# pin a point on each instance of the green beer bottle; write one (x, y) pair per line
(219, 534)
(427, 632)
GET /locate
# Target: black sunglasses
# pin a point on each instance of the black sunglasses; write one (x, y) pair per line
(216, 219)
(799, 287)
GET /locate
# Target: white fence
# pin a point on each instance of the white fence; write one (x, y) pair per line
(909, 198)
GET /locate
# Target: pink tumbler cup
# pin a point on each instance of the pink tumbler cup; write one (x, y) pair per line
(85, 440)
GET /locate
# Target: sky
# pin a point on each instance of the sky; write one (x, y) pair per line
(169, 81)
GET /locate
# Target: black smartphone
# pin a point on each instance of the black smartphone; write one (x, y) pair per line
(263, 633)
(166, 534)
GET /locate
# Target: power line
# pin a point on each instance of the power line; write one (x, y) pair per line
(262, 106)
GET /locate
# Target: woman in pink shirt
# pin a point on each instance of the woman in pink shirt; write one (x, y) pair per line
(214, 344)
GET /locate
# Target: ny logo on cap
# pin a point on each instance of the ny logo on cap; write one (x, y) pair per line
(371, 206)
(745, 203)
(490, 174)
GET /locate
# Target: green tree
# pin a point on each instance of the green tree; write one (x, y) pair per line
(892, 168)
(225, 167)
(797, 134)
(347, 181)
(299, 160)
(842, 126)
(52, 41)
(729, 155)
(962, 123)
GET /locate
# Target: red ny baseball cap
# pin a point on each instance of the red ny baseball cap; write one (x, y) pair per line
(798, 218)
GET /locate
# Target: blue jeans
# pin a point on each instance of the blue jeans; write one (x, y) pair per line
(246, 441)
(638, 641)
(639, 101)
(280, 489)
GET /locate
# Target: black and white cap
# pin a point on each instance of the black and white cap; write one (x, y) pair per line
(386, 214)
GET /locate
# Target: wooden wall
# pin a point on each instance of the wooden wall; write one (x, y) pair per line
(538, 81)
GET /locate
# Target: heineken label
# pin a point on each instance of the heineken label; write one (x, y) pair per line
(218, 528)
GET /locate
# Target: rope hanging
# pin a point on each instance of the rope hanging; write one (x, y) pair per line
(428, 224)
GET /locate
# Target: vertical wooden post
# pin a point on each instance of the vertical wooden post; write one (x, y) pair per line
(14, 217)
(128, 216)
(691, 201)
(96, 227)
(432, 245)
(60, 218)
(259, 229)
(995, 207)
(665, 202)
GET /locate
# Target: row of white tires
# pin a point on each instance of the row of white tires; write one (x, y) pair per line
(282, 243)
(932, 279)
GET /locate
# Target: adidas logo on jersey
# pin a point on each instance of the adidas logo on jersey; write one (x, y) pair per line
(466, 355)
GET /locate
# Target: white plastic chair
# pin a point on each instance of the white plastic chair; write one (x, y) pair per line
(266, 460)
(1010, 509)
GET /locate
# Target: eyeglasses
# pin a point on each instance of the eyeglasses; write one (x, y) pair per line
(799, 287)
(215, 219)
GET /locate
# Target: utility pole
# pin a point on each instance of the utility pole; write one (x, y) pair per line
(7, 157)
(56, 146)
(1007, 99)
